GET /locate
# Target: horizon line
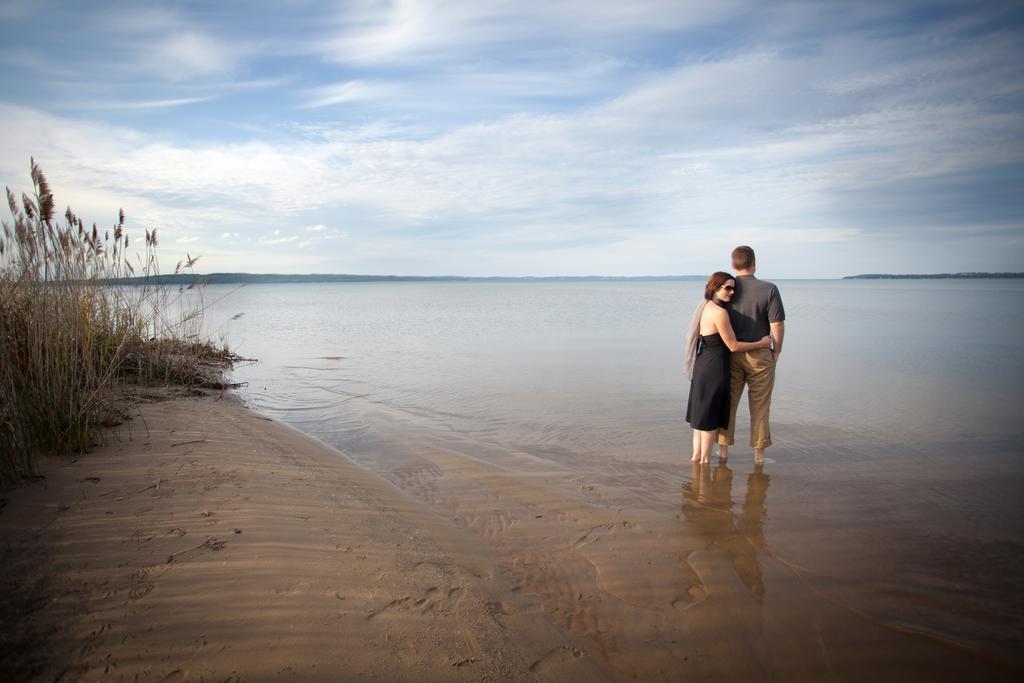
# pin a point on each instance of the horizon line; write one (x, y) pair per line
(352, 277)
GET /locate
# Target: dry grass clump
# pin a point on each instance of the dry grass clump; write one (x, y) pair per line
(70, 340)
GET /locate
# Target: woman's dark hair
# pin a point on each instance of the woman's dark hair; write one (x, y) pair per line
(716, 280)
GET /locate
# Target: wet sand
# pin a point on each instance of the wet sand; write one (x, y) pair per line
(217, 545)
(664, 573)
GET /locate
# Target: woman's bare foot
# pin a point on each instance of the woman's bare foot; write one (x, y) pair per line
(704, 459)
(695, 458)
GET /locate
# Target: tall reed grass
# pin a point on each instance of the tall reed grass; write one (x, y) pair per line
(72, 338)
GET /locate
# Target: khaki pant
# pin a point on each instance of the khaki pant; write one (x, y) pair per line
(755, 369)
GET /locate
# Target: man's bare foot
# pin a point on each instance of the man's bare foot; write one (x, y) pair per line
(759, 456)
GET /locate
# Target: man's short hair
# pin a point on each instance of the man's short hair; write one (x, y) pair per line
(742, 258)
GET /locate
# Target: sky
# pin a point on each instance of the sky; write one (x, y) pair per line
(529, 138)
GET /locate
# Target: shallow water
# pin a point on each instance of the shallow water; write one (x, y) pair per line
(546, 418)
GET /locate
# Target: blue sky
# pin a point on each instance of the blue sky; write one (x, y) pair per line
(530, 138)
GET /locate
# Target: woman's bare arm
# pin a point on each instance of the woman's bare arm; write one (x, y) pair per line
(778, 332)
(721, 319)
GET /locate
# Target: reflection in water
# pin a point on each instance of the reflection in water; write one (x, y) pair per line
(708, 506)
(755, 506)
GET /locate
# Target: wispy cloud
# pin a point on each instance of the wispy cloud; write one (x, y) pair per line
(279, 240)
(349, 91)
(187, 54)
(432, 29)
(141, 104)
(168, 43)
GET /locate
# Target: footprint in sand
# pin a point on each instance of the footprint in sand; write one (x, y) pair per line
(593, 535)
(211, 544)
(696, 596)
(141, 536)
(141, 590)
(498, 608)
(555, 658)
(295, 589)
(141, 585)
(433, 599)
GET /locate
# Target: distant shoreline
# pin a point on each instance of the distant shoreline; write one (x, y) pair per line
(313, 278)
(937, 276)
(274, 278)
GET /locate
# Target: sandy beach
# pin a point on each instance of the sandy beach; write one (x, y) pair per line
(210, 543)
(216, 545)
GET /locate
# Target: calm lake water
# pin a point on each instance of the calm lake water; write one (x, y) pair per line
(897, 466)
(596, 368)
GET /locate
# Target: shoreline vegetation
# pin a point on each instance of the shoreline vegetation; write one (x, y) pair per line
(74, 350)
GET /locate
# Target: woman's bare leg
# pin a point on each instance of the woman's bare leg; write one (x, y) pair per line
(696, 446)
(707, 439)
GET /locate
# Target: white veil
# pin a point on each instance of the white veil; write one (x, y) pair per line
(693, 338)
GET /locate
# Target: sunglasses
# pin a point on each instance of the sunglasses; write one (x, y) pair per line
(728, 288)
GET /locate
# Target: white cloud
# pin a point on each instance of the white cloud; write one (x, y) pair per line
(349, 91)
(143, 104)
(278, 240)
(166, 42)
(319, 234)
(187, 239)
(180, 56)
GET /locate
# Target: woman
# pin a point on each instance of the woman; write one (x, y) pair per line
(710, 342)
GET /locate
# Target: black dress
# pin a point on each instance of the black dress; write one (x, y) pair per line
(708, 405)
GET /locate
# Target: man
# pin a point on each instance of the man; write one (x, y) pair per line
(756, 311)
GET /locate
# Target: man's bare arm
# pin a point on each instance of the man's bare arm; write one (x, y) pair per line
(778, 332)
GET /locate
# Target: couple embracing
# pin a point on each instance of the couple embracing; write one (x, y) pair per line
(735, 340)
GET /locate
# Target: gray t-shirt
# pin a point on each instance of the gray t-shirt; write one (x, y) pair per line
(755, 304)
